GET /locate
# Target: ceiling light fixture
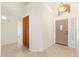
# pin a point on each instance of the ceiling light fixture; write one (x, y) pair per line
(63, 8)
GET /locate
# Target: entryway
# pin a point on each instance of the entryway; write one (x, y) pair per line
(62, 32)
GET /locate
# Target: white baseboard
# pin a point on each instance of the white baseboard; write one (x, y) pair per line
(8, 43)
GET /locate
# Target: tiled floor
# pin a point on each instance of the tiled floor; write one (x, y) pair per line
(56, 50)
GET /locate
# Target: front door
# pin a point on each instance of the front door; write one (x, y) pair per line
(62, 32)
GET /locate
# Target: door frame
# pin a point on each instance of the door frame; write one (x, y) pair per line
(70, 19)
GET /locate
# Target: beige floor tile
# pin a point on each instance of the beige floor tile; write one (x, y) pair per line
(12, 50)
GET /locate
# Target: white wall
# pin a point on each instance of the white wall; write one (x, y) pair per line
(41, 26)
(9, 29)
(36, 40)
(78, 30)
(48, 26)
(0, 29)
(78, 36)
(14, 12)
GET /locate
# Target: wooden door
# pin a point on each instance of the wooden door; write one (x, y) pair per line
(26, 31)
(62, 32)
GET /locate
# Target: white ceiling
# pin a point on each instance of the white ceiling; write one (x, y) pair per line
(16, 8)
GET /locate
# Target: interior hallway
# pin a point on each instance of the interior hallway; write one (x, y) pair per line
(42, 29)
(55, 50)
